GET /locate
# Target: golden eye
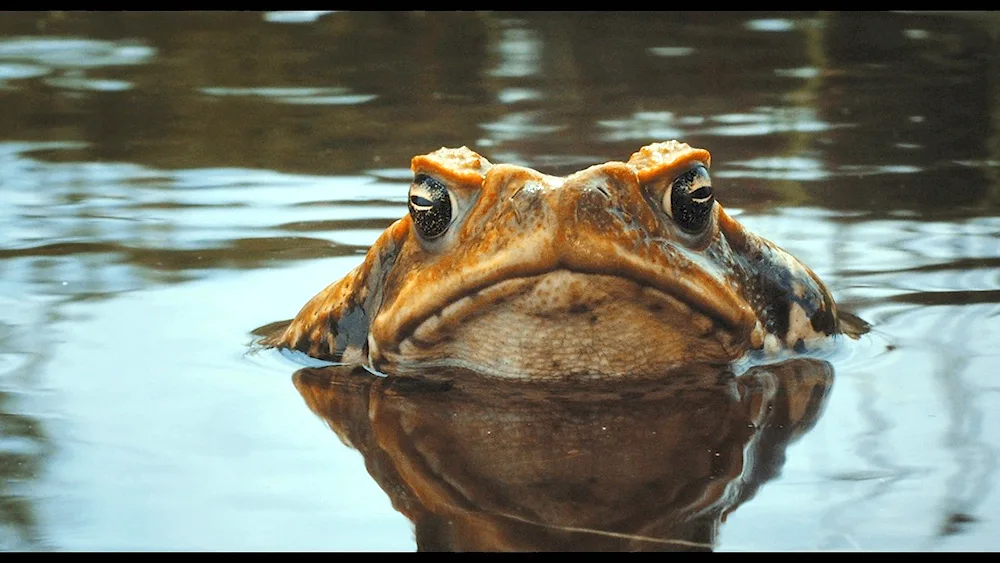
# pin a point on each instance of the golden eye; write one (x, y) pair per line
(689, 199)
(430, 206)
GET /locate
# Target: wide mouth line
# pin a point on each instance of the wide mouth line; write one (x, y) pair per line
(672, 290)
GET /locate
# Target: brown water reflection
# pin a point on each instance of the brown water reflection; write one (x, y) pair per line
(488, 466)
(168, 181)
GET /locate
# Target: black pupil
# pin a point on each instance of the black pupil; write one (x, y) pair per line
(691, 209)
(701, 193)
(418, 201)
(431, 208)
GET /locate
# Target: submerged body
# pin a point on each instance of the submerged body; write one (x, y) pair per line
(624, 268)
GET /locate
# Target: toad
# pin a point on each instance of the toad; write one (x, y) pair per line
(621, 269)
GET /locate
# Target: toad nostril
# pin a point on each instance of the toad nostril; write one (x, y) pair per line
(527, 202)
(597, 194)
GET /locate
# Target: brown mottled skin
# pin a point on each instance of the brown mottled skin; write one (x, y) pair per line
(542, 277)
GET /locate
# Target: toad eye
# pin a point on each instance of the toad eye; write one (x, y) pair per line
(430, 206)
(689, 199)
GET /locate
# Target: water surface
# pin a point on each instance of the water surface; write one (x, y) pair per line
(170, 181)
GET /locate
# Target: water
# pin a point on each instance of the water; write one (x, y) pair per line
(168, 182)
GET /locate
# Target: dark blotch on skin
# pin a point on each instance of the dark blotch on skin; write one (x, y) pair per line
(771, 287)
(823, 321)
(774, 291)
(776, 309)
(579, 308)
(351, 330)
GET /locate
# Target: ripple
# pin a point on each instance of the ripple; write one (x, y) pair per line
(770, 24)
(858, 170)
(645, 125)
(801, 72)
(765, 128)
(391, 174)
(295, 95)
(14, 148)
(778, 168)
(519, 125)
(517, 52)
(295, 16)
(64, 52)
(767, 121)
(266, 187)
(144, 225)
(671, 51)
(916, 34)
(19, 71)
(957, 297)
(515, 95)
(88, 84)
(337, 100)
(805, 169)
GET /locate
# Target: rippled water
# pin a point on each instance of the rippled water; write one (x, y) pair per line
(170, 181)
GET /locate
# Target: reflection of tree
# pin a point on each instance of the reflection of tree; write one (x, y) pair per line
(946, 95)
(922, 144)
(24, 444)
(630, 465)
(19, 464)
(166, 120)
(945, 326)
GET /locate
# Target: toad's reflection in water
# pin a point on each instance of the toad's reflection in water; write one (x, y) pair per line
(644, 465)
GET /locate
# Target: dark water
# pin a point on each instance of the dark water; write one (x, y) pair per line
(168, 182)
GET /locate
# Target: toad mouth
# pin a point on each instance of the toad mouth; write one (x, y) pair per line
(696, 302)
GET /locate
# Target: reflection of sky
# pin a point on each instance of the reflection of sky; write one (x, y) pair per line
(908, 434)
(295, 16)
(107, 210)
(519, 53)
(65, 61)
(762, 121)
(64, 52)
(770, 24)
(319, 96)
(84, 232)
